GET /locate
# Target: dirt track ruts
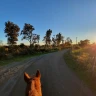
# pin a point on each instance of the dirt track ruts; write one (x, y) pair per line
(56, 78)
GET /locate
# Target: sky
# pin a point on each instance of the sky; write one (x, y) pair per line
(72, 18)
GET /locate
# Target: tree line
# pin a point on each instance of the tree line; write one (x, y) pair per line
(12, 32)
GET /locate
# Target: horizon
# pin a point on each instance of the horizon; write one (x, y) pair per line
(72, 18)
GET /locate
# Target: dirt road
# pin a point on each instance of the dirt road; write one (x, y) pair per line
(57, 79)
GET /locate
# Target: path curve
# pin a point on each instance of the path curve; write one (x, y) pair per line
(56, 78)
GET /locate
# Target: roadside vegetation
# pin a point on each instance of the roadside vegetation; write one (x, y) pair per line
(81, 58)
(11, 52)
(16, 54)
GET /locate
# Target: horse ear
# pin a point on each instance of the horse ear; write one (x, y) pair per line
(38, 74)
(26, 77)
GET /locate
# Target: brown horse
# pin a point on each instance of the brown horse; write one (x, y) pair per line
(33, 84)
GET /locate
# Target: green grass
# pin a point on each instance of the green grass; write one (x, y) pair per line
(80, 71)
(20, 58)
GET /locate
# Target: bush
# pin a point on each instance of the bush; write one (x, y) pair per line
(31, 51)
(2, 52)
(2, 49)
(76, 47)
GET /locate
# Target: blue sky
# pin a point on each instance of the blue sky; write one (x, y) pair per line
(73, 18)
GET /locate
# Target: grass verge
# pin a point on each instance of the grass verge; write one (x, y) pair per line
(81, 72)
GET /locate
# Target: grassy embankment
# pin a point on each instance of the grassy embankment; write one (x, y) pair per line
(81, 61)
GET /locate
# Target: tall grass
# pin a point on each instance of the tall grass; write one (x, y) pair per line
(83, 62)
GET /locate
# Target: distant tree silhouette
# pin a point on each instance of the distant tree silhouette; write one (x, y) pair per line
(11, 31)
(38, 38)
(22, 45)
(84, 43)
(47, 38)
(27, 32)
(68, 41)
(87, 41)
(59, 38)
(62, 39)
(54, 40)
(35, 38)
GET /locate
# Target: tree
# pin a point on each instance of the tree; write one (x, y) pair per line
(38, 38)
(47, 38)
(59, 38)
(27, 32)
(62, 39)
(84, 43)
(35, 38)
(87, 42)
(68, 41)
(22, 45)
(11, 31)
(54, 40)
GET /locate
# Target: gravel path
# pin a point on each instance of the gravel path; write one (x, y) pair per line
(10, 73)
(56, 78)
